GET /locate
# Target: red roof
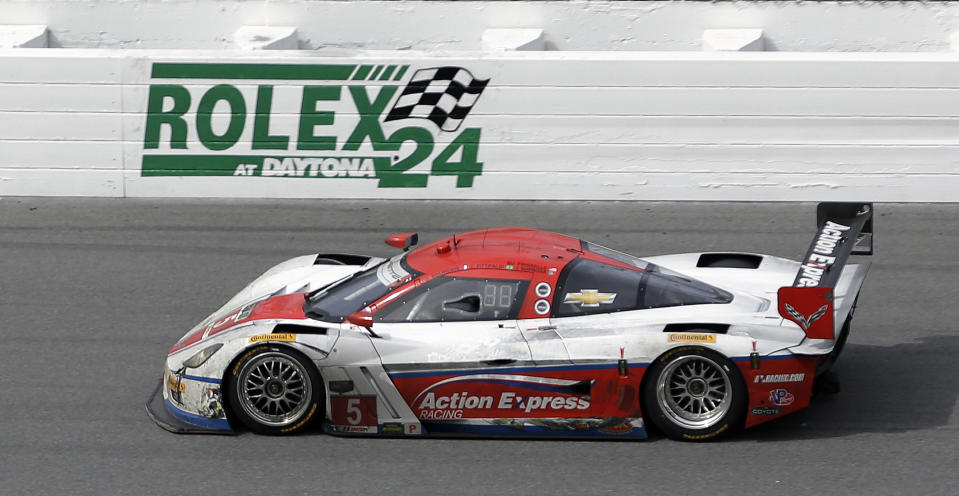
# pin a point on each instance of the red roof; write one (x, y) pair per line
(509, 248)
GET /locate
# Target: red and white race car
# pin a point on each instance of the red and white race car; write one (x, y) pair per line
(520, 332)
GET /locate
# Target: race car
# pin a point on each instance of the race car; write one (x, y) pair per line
(521, 333)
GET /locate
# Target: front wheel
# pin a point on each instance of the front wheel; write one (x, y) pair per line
(274, 390)
(694, 394)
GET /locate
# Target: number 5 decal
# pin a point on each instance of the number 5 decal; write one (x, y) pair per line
(353, 414)
(353, 410)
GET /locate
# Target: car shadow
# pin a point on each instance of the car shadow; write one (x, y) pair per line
(897, 388)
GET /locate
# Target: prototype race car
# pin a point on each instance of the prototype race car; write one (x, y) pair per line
(521, 332)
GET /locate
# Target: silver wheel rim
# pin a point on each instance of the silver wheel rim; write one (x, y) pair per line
(274, 389)
(694, 392)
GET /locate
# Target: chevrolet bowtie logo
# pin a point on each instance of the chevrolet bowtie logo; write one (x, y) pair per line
(589, 298)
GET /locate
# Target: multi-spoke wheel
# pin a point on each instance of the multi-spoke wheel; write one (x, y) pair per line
(694, 394)
(274, 390)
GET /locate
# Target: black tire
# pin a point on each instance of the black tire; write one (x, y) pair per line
(707, 398)
(274, 390)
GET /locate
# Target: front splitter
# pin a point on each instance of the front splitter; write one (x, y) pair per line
(158, 411)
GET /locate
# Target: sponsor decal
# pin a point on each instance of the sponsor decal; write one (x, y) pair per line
(175, 385)
(211, 405)
(820, 258)
(354, 429)
(524, 395)
(453, 406)
(288, 337)
(781, 397)
(612, 425)
(543, 290)
(768, 378)
(354, 413)
(510, 265)
(391, 272)
(765, 411)
(624, 428)
(392, 428)
(384, 123)
(810, 309)
(541, 307)
(589, 298)
(228, 321)
(687, 337)
(224, 323)
(803, 320)
(707, 436)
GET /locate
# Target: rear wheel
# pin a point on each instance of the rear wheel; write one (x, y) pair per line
(274, 390)
(694, 394)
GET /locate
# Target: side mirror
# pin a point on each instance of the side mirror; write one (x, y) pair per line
(362, 318)
(403, 241)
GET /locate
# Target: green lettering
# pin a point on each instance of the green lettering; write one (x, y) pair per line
(467, 166)
(392, 176)
(204, 117)
(310, 118)
(262, 140)
(156, 117)
(369, 125)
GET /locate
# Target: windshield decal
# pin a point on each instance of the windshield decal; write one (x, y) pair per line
(391, 272)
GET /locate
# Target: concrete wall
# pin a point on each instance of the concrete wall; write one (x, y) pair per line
(553, 125)
(576, 25)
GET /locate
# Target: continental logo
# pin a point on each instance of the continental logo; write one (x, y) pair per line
(687, 337)
(397, 125)
(259, 338)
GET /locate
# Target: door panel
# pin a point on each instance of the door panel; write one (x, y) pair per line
(546, 345)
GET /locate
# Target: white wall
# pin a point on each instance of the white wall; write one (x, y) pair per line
(581, 125)
(417, 25)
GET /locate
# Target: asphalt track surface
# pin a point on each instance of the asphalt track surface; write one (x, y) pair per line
(93, 293)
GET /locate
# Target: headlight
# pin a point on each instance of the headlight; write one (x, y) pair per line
(202, 356)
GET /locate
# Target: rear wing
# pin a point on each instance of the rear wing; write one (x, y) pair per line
(844, 229)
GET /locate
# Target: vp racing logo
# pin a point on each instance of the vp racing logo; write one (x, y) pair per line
(781, 397)
(321, 121)
(499, 395)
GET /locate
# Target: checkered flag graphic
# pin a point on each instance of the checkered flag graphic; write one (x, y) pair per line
(443, 95)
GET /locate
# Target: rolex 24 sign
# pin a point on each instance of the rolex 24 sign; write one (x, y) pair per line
(376, 122)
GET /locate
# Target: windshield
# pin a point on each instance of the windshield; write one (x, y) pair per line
(618, 256)
(335, 302)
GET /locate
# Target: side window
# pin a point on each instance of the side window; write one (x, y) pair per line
(452, 299)
(668, 289)
(587, 287)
